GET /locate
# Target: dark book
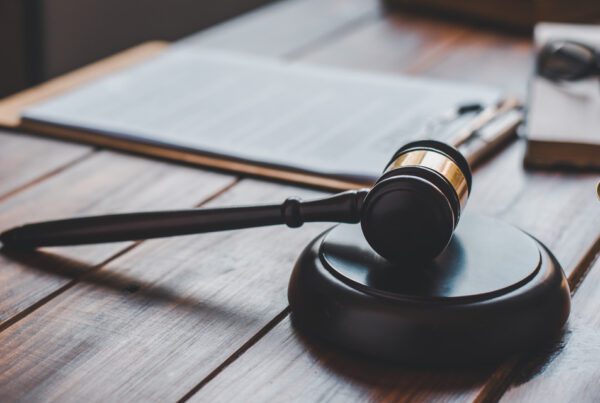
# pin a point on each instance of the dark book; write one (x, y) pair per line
(563, 120)
(513, 14)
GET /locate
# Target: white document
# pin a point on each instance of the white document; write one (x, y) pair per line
(319, 120)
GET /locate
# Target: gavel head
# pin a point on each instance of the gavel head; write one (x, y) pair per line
(414, 207)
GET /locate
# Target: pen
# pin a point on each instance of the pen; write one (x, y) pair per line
(485, 117)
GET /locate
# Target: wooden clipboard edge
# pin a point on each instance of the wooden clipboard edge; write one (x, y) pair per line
(236, 167)
(12, 107)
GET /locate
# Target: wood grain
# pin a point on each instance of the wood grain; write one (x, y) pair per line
(286, 366)
(106, 182)
(337, 15)
(503, 61)
(416, 45)
(155, 321)
(392, 44)
(286, 28)
(571, 372)
(299, 369)
(25, 159)
(557, 208)
(192, 316)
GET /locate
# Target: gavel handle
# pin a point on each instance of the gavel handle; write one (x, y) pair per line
(342, 207)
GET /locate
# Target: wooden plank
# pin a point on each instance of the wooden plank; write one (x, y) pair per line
(424, 46)
(506, 62)
(71, 263)
(104, 183)
(155, 321)
(558, 208)
(341, 14)
(549, 205)
(25, 159)
(391, 44)
(571, 373)
(95, 325)
(286, 27)
(503, 61)
(286, 366)
(570, 227)
(295, 367)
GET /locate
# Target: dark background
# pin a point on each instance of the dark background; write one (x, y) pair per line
(40, 39)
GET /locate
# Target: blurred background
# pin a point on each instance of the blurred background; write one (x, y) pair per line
(40, 39)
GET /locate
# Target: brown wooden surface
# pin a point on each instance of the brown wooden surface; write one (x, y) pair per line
(104, 182)
(205, 317)
(179, 306)
(424, 46)
(25, 159)
(572, 373)
(290, 364)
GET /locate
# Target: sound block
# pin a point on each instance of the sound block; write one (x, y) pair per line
(493, 292)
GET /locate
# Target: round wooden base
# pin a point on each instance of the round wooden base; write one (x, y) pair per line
(494, 291)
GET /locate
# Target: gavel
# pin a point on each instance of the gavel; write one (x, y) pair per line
(410, 212)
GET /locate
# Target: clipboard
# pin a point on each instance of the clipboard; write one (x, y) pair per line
(476, 142)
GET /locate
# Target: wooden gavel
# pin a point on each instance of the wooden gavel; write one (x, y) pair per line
(410, 212)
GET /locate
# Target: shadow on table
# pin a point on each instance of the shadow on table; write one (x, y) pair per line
(391, 380)
(110, 279)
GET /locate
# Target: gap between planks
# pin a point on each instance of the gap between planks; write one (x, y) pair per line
(292, 54)
(297, 55)
(49, 174)
(32, 308)
(370, 16)
(501, 380)
(237, 353)
(497, 383)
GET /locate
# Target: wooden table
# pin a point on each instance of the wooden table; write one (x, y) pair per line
(205, 318)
